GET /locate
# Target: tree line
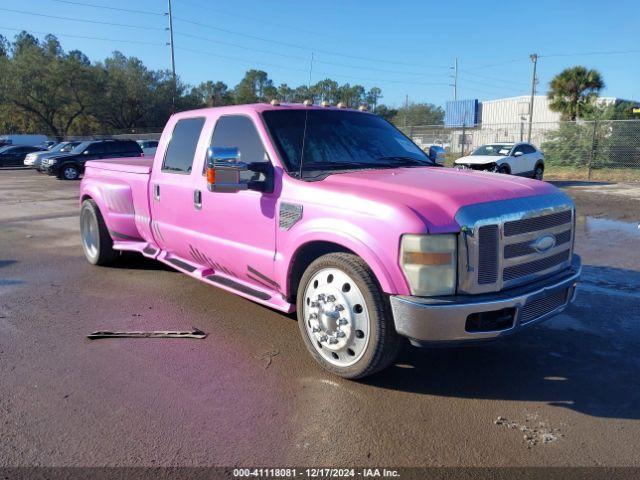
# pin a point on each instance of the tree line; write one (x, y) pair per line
(45, 89)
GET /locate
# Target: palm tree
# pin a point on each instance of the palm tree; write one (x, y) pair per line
(573, 90)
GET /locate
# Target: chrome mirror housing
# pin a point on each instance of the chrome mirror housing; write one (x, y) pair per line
(223, 170)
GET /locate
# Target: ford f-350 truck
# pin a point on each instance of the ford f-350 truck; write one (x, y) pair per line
(335, 214)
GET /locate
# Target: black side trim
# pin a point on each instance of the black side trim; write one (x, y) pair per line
(181, 264)
(263, 277)
(238, 286)
(122, 235)
(260, 282)
(525, 174)
(149, 250)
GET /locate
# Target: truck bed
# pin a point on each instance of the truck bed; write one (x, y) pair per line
(120, 188)
(129, 165)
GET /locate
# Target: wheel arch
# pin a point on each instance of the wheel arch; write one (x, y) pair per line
(309, 251)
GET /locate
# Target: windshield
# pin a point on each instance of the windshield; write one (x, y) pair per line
(69, 146)
(496, 149)
(340, 140)
(81, 147)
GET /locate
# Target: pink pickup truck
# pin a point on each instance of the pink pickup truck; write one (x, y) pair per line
(335, 214)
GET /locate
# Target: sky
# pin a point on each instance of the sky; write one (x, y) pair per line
(405, 47)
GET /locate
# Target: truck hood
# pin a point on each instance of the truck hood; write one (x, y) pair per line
(479, 159)
(433, 194)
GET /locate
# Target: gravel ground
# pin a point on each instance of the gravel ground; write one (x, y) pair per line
(566, 392)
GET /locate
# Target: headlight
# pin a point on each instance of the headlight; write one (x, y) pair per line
(50, 161)
(429, 263)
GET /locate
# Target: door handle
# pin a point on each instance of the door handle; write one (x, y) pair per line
(197, 199)
(156, 191)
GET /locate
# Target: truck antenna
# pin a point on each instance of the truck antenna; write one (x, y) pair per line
(306, 117)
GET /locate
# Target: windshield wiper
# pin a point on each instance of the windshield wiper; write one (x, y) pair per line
(405, 159)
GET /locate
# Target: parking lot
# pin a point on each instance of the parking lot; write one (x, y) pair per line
(565, 393)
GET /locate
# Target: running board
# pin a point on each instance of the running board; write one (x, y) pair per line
(227, 282)
(182, 265)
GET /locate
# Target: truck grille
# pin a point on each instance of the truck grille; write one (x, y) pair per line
(535, 224)
(518, 247)
(524, 269)
(488, 254)
(538, 308)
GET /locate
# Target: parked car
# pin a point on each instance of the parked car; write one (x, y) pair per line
(69, 166)
(34, 159)
(148, 147)
(19, 139)
(13, 155)
(521, 159)
(297, 208)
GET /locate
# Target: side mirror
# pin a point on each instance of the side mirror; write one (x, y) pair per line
(223, 170)
(518, 154)
(437, 154)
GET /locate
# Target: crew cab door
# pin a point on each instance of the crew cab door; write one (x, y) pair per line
(236, 234)
(174, 219)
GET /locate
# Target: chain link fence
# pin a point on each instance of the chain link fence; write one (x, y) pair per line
(592, 145)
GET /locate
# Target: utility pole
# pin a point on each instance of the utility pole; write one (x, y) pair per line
(406, 111)
(454, 76)
(534, 80)
(173, 58)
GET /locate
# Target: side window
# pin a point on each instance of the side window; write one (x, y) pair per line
(516, 150)
(97, 148)
(528, 149)
(182, 146)
(240, 132)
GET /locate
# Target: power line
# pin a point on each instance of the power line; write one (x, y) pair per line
(495, 79)
(497, 87)
(85, 37)
(105, 7)
(83, 20)
(579, 54)
(293, 45)
(298, 57)
(253, 19)
(283, 67)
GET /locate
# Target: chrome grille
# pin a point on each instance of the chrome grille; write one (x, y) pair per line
(535, 224)
(542, 306)
(525, 269)
(502, 251)
(488, 238)
(524, 248)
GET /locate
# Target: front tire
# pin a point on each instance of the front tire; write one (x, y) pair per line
(96, 241)
(504, 169)
(538, 173)
(345, 317)
(69, 172)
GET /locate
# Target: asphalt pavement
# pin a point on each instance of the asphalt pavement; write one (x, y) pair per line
(564, 393)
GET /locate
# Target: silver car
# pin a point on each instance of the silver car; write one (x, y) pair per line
(35, 158)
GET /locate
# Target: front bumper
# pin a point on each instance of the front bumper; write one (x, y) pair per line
(468, 318)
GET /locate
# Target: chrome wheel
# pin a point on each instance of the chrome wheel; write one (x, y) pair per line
(89, 232)
(336, 317)
(70, 173)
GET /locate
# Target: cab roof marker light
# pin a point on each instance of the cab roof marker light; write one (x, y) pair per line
(308, 103)
(341, 105)
(275, 102)
(364, 108)
(325, 104)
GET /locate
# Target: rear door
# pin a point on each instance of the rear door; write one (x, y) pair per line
(531, 156)
(173, 181)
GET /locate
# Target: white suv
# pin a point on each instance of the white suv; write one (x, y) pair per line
(521, 159)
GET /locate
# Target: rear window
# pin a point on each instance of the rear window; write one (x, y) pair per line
(124, 147)
(182, 146)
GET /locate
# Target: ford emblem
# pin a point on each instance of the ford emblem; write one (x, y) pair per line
(544, 243)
